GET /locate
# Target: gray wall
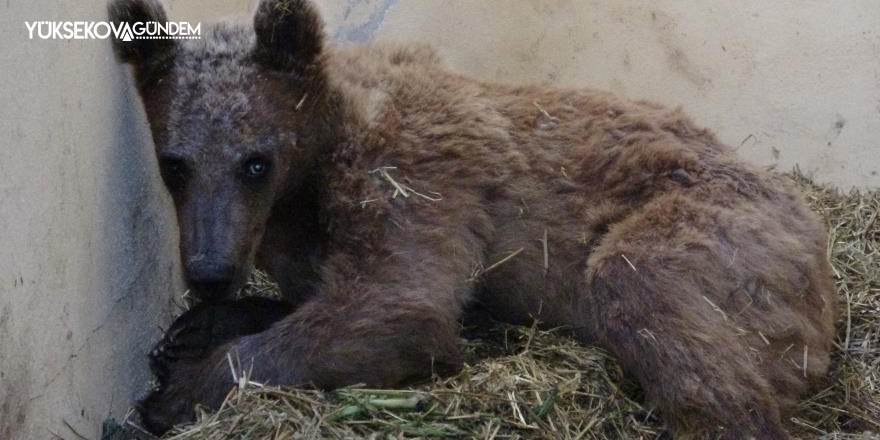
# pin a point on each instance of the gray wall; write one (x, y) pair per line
(87, 240)
(88, 243)
(788, 82)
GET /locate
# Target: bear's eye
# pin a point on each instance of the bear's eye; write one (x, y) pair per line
(174, 171)
(256, 167)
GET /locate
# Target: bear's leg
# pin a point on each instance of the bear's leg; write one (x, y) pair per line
(375, 321)
(196, 334)
(709, 298)
(687, 359)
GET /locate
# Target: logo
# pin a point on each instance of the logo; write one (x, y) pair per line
(101, 30)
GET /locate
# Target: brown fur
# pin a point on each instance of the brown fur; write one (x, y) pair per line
(706, 276)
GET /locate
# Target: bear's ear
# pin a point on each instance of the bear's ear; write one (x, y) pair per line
(138, 51)
(290, 33)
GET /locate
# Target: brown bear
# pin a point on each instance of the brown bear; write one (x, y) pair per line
(386, 193)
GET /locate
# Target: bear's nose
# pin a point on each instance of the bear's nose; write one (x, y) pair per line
(210, 280)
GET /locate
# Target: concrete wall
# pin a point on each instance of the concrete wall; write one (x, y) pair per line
(88, 259)
(787, 81)
(87, 256)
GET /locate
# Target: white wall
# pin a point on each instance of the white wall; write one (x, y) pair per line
(786, 81)
(87, 239)
(87, 243)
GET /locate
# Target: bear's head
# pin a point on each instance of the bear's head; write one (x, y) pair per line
(235, 118)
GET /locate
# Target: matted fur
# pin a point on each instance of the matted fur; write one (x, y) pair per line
(400, 192)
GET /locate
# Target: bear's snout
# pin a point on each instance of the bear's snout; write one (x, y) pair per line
(210, 279)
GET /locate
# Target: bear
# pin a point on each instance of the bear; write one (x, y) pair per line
(387, 193)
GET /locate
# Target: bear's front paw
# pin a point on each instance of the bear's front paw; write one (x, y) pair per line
(196, 333)
(189, 382)
(159, 411)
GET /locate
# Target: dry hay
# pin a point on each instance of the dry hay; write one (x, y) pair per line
(534, 384)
